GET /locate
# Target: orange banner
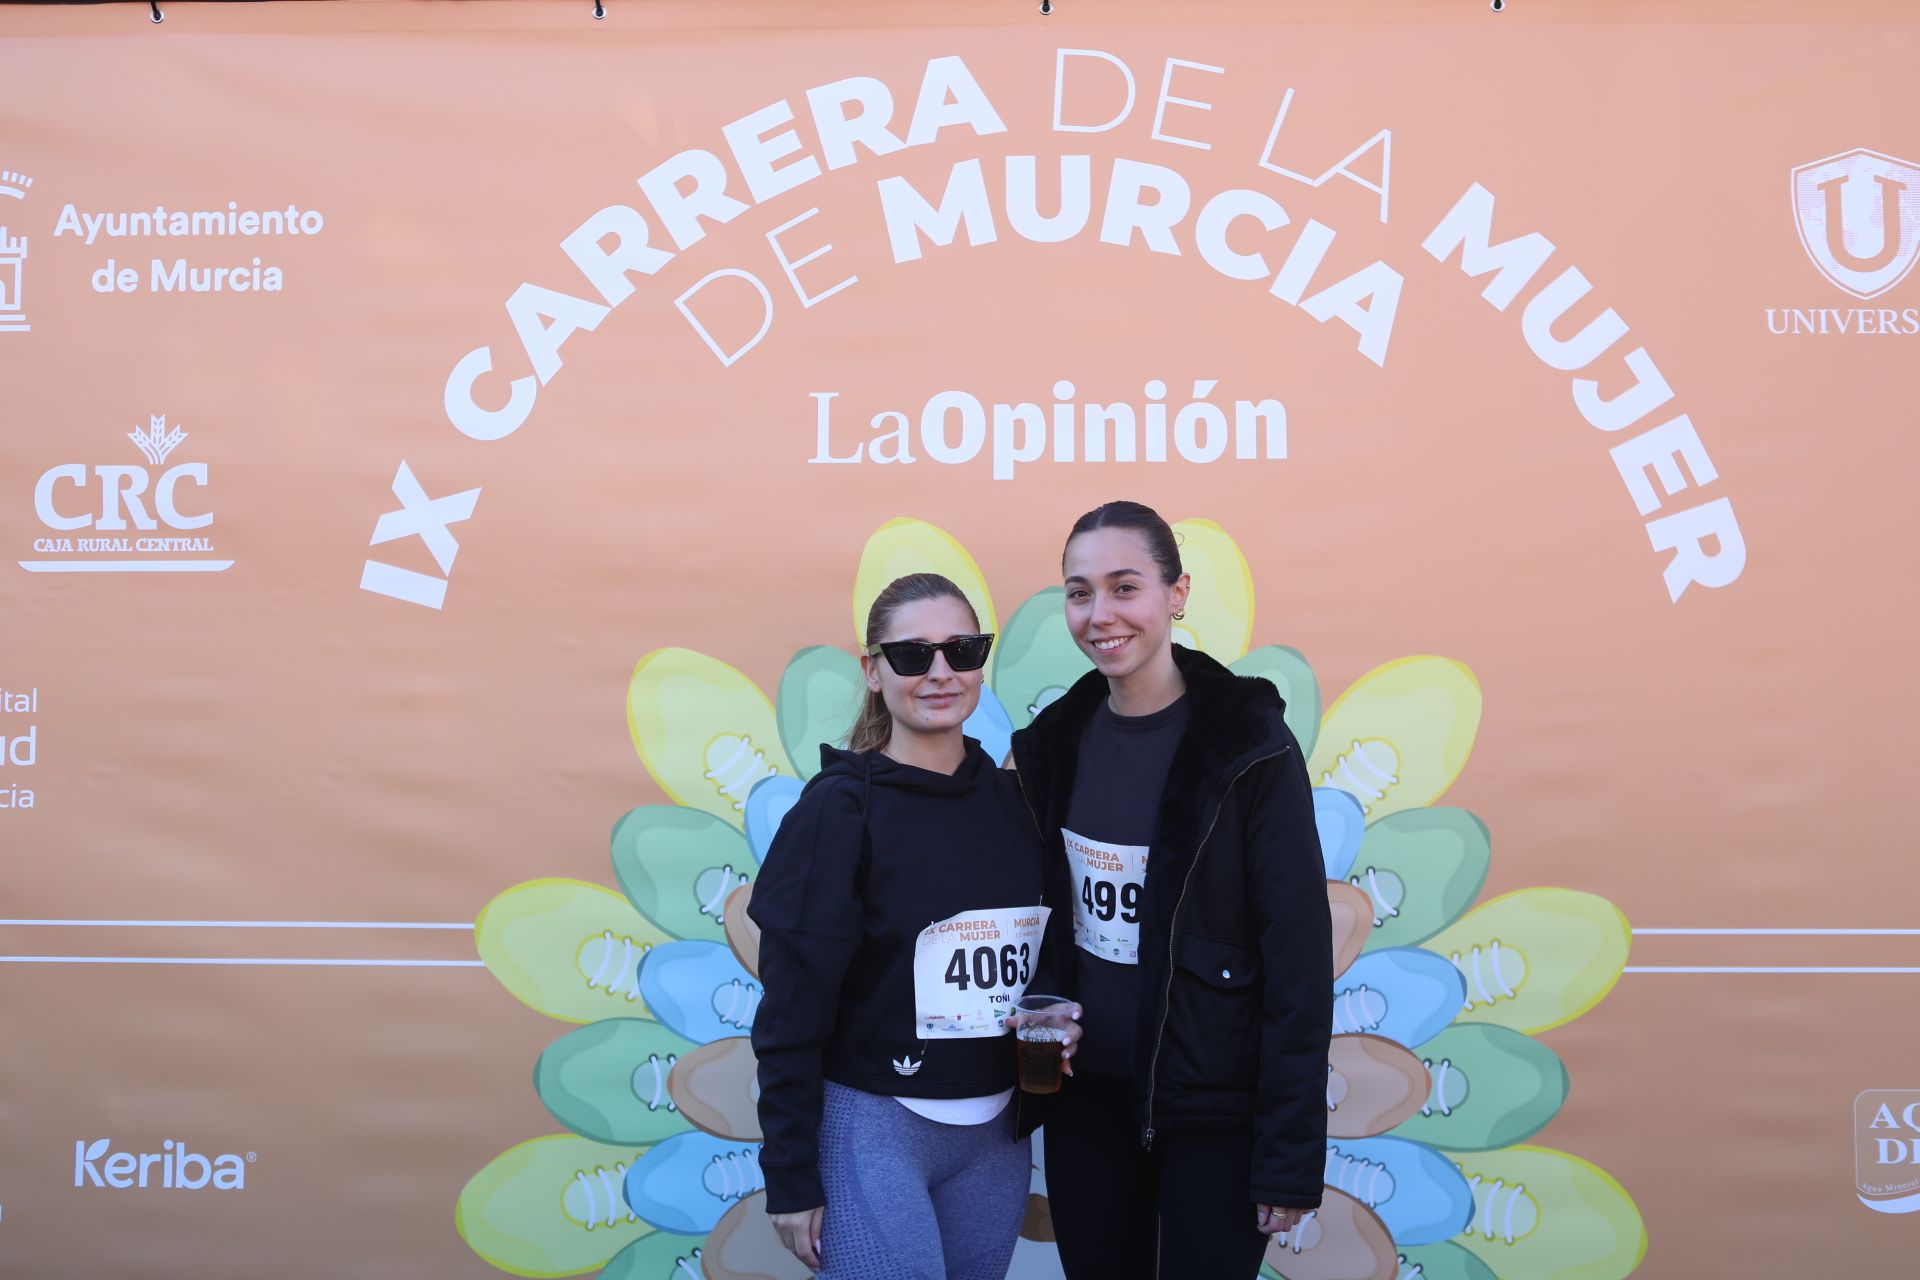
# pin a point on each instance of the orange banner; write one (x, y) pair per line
(438, 437)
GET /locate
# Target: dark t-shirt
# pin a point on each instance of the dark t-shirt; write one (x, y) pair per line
(1116, 797)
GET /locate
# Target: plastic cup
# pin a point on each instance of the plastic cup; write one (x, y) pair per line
(1039, 1038)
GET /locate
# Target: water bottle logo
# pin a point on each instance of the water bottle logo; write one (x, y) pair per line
(1886, 1150)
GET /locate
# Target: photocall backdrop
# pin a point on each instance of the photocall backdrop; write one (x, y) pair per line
(448, 450)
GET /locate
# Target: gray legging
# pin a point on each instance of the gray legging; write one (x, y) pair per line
(909, 1198)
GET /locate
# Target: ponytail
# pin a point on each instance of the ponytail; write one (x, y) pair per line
(874, 726)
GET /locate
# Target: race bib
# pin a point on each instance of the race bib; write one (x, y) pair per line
(1108, 881)
(970, 968)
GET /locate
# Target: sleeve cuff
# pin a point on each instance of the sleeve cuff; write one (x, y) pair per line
(793, 1188)
(1280, 1199)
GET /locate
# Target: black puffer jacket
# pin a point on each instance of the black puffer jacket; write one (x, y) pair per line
(1236, 967)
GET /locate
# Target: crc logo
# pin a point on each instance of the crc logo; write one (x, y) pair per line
(97, 1164)
(1858, 214)
(121, 503)
(121, 488)
(1886, 1149)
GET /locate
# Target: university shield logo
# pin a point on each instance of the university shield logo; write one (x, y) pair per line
(1859, 217)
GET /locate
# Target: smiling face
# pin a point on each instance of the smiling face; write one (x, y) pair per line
(939, 701)
(1118, 609)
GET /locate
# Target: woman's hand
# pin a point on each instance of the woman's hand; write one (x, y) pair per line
(1068, 1026)
(1071, 1032)
(1273, 1219)
(800, 1232)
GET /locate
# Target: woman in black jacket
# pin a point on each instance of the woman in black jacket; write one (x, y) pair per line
(902, 911)
(1181, 819)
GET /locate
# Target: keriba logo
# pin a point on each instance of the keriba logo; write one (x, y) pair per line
(1858, 214)
(174, 1166)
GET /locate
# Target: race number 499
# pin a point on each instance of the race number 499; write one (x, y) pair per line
(1097, 896)
(1106, 911)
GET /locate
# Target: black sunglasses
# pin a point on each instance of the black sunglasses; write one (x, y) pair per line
(915, 657)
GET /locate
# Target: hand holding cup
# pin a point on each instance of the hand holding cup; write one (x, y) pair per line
(1046, 1029)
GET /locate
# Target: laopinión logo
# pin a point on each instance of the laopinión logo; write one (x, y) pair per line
(1858, 215)
(175, 1167)
(13, 257)
(111, 502)
(1886, 1150)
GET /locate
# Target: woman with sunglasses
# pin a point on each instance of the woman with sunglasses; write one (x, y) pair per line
(901, 911)
(1181, 823)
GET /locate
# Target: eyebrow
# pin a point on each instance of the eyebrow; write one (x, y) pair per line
(958, 635)
(1117, 573)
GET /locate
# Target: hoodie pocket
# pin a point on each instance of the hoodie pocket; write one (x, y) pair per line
(1211, 1053)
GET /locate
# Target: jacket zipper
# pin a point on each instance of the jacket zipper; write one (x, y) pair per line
(1173, 923)
(1021, 782)
(1019, 1097)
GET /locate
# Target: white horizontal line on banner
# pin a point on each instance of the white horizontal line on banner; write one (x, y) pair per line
(248, 924)
(467, 924)
(1781, 933)
(125, 566)
(260, 960)
(1763, 969)
(330, 962)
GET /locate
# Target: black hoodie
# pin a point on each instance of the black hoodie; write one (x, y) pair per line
(873, 853)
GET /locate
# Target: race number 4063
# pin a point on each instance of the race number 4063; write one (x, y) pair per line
(969, 969)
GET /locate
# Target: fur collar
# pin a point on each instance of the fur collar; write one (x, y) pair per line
(1232, 721)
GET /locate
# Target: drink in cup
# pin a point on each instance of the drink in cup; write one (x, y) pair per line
(1038, 1040)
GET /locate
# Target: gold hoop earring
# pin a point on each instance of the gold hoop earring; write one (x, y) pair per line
(1180, 616)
